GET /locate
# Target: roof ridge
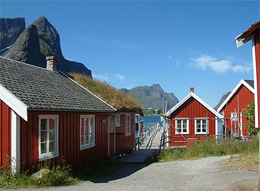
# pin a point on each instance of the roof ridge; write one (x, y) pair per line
(10, 59)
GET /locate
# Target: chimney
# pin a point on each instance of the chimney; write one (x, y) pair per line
(51, 63)
(192, 89)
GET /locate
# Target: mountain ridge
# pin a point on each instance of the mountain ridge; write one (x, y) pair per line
(48, 45)
(151, 96)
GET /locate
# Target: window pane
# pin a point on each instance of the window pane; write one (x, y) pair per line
(82, 131)
(43, 136)
(43, 124)
(204, 126)
(43, 148)
(82, 140)
(82, 122)
(179, 125)
(51, 136)
(184, 128)
(51, 123)
(198, 125)
(52, 146)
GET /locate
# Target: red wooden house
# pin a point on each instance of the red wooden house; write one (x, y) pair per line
(253, 33)
(44, 114)
(233, 106)
(190, 120)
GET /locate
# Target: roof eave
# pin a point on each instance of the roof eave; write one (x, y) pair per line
(242, 82)
(191, 94)
(13, 102)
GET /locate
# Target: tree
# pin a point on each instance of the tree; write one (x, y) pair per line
(249, 114)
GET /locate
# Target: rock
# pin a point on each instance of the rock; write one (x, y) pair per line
(39, 40)
(40, 173)
(27, 49)
(10, 29)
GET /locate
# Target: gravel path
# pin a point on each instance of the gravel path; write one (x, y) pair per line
(198, 175)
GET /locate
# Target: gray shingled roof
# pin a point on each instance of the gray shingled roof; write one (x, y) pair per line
(42, 89)
(250, 82)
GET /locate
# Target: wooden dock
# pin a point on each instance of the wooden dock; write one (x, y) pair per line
(150, 147)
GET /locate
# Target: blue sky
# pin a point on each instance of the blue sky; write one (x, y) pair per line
(178, 44)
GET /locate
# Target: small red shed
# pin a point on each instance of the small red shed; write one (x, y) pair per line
(253, 33)
(44, 114)
(190, 120)
(233, 106)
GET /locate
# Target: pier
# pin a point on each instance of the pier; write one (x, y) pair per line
(149, 146)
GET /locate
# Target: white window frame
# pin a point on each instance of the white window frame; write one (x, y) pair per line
(55, 153)
(181, 119)
(92, 144)
(117, 120)
(207, 125)
(128, 133)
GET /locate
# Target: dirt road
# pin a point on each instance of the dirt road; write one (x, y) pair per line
(198, 175)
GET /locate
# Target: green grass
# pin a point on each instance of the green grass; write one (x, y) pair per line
(210, 148)
(58, 176)
(109, 94)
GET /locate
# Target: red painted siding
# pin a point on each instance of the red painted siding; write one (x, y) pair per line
(68, 140)
(125, 143)
(191, 109)
(5, 135)
(257, 77)
(237, 102)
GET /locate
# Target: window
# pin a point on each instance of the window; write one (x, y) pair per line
(87, 131)
(48, 136)
(127, 125)
(182, 126)
(117, 120)
(201, 126)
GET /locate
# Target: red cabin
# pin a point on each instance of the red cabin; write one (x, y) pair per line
(253, 33)
(44, 114)
(191, 120)
(233, 106)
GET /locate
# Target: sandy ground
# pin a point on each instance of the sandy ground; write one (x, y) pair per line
(198, 175)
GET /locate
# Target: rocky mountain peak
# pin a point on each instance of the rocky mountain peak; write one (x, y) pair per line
(46, 42)
(10, 30)
(26, 48)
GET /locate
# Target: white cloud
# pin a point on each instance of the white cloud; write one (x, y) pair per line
(240, 68)
(170, 57)
(120, 77)
(206, 62)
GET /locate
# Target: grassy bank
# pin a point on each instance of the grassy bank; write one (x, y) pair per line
(58, 176)
(210, 148)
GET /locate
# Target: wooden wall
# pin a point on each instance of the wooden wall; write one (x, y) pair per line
(5, 135)
(125, 143)
(238, 102)
(191, 109)
(69, 142)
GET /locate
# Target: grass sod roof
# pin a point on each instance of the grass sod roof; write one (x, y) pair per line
(111, 95)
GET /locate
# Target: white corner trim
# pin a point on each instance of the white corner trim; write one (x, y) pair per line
(15, 140)
(242, 82)
(87, 90)
(255, 82)
(216, 127)
(13, 102)
(191, 94)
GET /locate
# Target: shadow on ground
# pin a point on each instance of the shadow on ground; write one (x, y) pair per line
(124, 171)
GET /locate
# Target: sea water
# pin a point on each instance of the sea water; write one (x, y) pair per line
(150, 120)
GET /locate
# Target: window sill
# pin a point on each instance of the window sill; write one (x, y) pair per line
(128, 134)
(87, 146)
(49, 156)
(200, 133)
(177, 133)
